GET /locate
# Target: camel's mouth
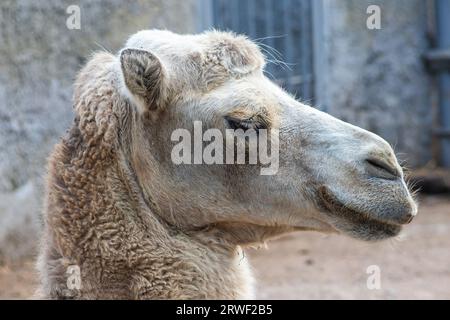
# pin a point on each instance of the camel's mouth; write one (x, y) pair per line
(356, 224)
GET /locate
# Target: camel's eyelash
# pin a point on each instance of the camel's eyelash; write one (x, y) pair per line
(251, 123)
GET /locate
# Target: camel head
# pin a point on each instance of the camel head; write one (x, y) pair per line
(328, 175)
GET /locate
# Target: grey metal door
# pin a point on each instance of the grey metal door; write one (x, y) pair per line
(285, 26)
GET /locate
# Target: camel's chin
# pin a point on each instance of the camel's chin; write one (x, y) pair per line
(369, 230)
(356, 224)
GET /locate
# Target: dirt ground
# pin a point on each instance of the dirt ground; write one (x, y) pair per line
(314, 266)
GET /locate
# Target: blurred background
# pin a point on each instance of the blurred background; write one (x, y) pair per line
(379, 64)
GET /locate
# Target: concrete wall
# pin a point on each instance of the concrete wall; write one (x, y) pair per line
(375, 78)
(39, 58)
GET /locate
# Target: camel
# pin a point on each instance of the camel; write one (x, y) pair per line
(135, 225)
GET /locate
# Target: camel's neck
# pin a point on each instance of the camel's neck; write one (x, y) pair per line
(98, 219)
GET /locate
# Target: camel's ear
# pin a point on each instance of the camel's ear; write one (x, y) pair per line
(144, 77)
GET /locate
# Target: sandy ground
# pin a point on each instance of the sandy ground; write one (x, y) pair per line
(313, 266)
(18, 281)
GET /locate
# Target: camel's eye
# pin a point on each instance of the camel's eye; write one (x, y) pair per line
(251, 123)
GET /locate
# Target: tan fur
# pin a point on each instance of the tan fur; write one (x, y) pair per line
(97, 218)
(140, 227)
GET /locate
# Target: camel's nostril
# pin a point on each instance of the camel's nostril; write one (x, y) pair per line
(381, 169)
(409, 219)
(404, 219)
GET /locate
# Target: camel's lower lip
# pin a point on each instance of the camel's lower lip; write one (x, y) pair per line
(354, 223)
